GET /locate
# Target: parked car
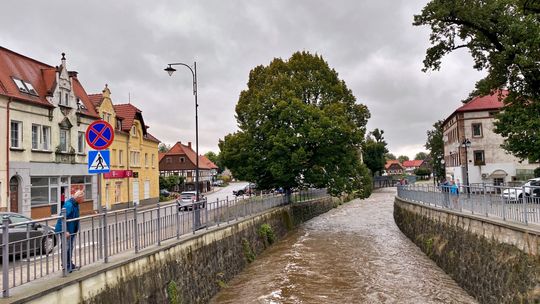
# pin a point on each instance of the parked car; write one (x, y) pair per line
(217, 183)
(187, 201)
(247, 190)
(531, 187)
(42, 238)
(164, 192)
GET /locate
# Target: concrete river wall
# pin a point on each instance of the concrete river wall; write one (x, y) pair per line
(191, 270)
(494, 261)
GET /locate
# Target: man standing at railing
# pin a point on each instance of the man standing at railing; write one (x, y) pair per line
(72, 227)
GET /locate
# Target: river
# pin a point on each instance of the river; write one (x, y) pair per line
(352, 254)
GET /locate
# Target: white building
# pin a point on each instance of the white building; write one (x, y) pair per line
(45, 111)
(486, 161)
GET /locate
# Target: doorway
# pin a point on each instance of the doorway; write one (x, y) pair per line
(14, 194)
(135, 192)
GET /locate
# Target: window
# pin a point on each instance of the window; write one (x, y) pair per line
(135, 158)
(168, 160)
(41, 136)
(182, 159)
(117, 192)
(16, 134)
(477, 130)
(120, 158)
(24, 86)
(64, 140)
(118, 124)
(35, 137)
(44, 191)
(479, 158)
(134, 131)
(65, 101)
(46, 138)
(153, 160)
(80, 142)
(146, 159)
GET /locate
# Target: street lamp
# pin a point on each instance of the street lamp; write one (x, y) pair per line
(169, 69)
(466, 144)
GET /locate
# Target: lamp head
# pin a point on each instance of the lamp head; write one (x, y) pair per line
(170, 70)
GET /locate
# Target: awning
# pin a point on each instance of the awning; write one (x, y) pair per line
(498, 174)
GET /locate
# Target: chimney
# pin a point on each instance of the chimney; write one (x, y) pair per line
(189, 145)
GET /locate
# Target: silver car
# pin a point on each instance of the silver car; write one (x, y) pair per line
(187, 201)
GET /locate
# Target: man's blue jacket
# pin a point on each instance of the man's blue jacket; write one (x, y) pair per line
(72, 211)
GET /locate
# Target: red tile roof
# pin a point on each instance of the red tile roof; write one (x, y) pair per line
(96, 99)
(391, 162)
(487, 102)
(181, 149)
(40, 75)
(127, 112)
(412, 163)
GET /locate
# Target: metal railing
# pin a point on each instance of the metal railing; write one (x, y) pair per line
(32, 250)
(517, 204)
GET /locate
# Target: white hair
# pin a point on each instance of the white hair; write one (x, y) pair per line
(78, 193)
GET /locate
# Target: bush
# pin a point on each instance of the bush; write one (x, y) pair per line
(537, 172)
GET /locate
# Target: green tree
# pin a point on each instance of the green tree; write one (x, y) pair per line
(435, 146)
(168, 182)
(390, 156)
(421, 156)
(299, 125)
(422, 172)
(163, 148)
(213, 157)
(374, 151)
(502, 37)
(402, 158)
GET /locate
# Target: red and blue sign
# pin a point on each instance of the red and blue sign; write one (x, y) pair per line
(99, 135)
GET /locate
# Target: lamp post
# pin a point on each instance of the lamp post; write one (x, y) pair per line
(466, 144)
(169, 69)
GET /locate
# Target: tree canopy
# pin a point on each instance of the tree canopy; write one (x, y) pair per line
(421, 156)
(213, 157)
(390, 156)
(435, 146)
(299, 126)
(374, 151)
(502, 37)
(402, 158)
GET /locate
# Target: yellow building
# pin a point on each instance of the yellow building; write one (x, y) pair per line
(134, 176)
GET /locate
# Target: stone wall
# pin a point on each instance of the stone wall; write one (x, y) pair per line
(187, 271)
(493, 261)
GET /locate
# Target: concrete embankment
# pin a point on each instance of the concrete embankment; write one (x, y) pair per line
(191, 270)
(494, 261)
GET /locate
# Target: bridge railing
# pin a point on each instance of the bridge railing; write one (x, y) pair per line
(517, 204)
(32, 249)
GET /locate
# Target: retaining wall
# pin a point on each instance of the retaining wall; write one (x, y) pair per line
(188, 271)
(494, 261)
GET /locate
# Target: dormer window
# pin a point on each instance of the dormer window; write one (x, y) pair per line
(24, 86)
(63, 101)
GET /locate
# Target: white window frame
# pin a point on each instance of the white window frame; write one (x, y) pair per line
(146, 160)
(64, 147)
(19, 134)
(81, 144)
(120, 159)
(36, 137)
(45, 138)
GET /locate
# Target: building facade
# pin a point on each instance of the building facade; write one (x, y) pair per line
(181, 160)
(472, 149)
(45, 111)
(134, 176)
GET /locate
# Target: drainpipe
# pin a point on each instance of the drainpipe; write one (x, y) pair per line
(127, 166)
(7, 153)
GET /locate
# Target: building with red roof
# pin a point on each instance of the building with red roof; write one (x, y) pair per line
(44, 112)
(472, 150)
(393, 167)
(134, 176)
(181, 160)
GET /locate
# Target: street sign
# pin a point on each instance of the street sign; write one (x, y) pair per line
(99, 135)
(99, 161)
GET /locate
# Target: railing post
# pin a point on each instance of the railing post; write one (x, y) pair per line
(205, 204)
(218, 212)
(228, 213)
(235, 209)
(105, 237)
(524, 198)
(177, 220)
(485, 198)
(158, 224)
(136, 228)
(64, 243)
(193, 217)
(5, 257)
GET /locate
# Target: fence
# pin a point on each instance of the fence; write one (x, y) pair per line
(32, 250)
(517, 204)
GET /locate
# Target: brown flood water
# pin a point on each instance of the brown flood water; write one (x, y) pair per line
(352, 254)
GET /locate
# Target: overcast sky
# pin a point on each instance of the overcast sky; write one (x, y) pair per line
(127, 44)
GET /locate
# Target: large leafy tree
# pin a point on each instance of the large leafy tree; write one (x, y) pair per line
(435, 146)
(502, 37)
(375, 151)
(402, 158)
(299, 125)
(390, 156)
(421, 156)
(215, 158)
